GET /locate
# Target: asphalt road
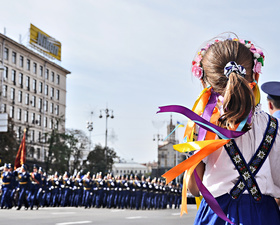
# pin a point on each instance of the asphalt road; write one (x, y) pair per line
(70, 215)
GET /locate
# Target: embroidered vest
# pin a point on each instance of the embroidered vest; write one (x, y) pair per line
(247, 171)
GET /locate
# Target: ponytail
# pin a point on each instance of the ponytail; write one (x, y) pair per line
(238, 102)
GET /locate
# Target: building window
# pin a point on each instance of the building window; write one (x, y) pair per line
(34, 84)
(51, 124)
(6, 73)
(40, 103)
(5, 89)
(57, 110)
(12, 94)
(32, 135)
(39, 136)
(47, 74)
(57, 94)
(27, 99)
(56, 125)
(18, 132)
(28, 64)
(38, 153)
(25, 116)
(28, 83)
(35, 68)
(40, 87)
(52, 77)
(20, 96)
(20, 79)
(46, 89)
(52, 92)
(6, 53)
(19, 114)
(12, 111)
(33, 101)
(14, 77)
(21, 61)
(46, 106)
(57, 79)
(4, 108)
(14, 57)
(45, 122)
(51, 108)
(39, 120)
(41, 71)
(33, 118)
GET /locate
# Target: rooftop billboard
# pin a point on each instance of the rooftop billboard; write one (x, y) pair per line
(46, 43)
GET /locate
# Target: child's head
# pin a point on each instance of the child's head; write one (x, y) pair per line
(229, 66)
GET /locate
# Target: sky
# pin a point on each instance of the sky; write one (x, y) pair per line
(131, 56)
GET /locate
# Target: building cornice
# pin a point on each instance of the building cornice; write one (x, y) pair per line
(34, 53)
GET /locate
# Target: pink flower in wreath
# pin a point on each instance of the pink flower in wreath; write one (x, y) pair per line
(257, 67)
(197, 71)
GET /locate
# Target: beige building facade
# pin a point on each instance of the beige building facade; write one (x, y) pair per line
(33, 94)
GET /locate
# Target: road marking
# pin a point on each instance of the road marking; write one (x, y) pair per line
(58, 213)
(77, 222)
(136, 217)
(176, 214)
(118, 210)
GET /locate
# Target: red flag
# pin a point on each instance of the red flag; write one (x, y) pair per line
(21, 154)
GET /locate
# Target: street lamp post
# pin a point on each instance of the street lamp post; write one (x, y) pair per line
(157, 137)
(108, 113)
(90, 128)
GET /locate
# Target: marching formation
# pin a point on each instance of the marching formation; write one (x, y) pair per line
(37, 189)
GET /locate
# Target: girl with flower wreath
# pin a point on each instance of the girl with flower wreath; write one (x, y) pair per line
(234, 145)
(243, 175)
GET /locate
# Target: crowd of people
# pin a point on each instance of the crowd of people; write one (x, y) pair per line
(19, 188)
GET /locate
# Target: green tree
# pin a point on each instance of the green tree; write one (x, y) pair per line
(57, 157)
(97, 162)
(8, 144)
(78, 143)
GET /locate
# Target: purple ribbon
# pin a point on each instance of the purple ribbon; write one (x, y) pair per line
(193, 116)
(211, 201)
(207, 114)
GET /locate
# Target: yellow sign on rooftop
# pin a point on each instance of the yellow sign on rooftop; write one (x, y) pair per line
(41, 40)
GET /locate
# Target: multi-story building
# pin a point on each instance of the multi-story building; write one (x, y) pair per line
(167, 156)
(33, 94)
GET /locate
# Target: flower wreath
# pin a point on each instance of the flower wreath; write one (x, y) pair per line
(197, 69)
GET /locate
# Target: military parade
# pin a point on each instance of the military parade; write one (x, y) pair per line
(32, 190)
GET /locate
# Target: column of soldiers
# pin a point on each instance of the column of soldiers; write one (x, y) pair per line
(20, 188)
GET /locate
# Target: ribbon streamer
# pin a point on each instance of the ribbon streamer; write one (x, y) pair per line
(212, 202)
(203, 123)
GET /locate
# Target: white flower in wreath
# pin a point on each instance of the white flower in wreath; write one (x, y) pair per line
(268, 139)
(253, 169)
(241, 185)
(246, 175)
(273, 124)
(261, 154)
(253, 190)
(237, 159)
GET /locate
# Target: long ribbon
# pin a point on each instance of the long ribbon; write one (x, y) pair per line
(212, 202)
(202, 122)
(208, 111)
(195, 159)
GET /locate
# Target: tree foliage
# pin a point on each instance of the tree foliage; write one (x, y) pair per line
(97, 162)
(65, 150)
(8, 144)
